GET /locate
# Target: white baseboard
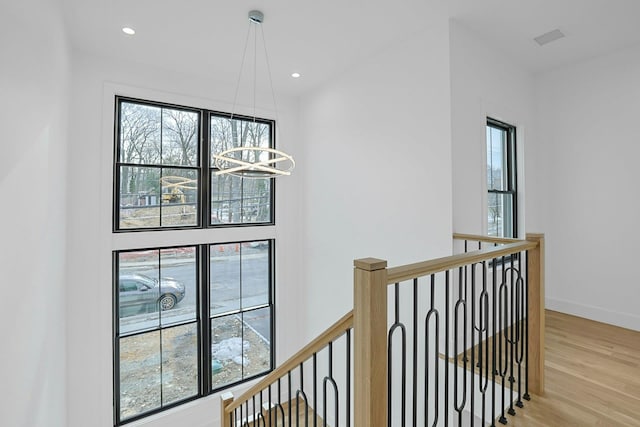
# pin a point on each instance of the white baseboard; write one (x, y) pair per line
(624, 320)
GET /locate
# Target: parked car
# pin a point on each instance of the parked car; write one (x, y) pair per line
(139, 290)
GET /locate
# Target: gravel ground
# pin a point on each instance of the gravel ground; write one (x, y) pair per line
(150, 216)
(149, 381)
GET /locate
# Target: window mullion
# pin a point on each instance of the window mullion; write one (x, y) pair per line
(205, 175)
(205, 324)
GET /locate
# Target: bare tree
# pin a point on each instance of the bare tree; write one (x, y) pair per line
(180, 137)
(140, 142)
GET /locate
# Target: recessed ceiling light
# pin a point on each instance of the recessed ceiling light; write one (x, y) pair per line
(549, 37)
(295, 75)
(128, 31)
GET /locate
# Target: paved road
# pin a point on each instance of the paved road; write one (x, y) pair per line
(232, 283)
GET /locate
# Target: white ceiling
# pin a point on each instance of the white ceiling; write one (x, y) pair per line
(322, 38)
(592, 27)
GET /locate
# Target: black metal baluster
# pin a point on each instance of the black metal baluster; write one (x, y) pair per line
(281, 410)
(330, 380)
(459, 407)
(512, 342)
(264, 423)
(415, 353)
(446, 350)
(483, 363)
(403, 334)
(315, 389)
(473, 359)
(526, 313)
(520, 331)
(348, 400)
(436, 359)
(502, 338)
(270, 406)
(289, 389)
(259, 412)
(494, 368)
(300, 393)
(280, 401)
(253, 403)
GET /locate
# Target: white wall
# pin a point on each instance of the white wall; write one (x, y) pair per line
(95, 82)
(33, 106)
(484, 82)
(376, 168)
(590, 145)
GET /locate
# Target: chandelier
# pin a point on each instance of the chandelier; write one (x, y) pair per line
(250, 161)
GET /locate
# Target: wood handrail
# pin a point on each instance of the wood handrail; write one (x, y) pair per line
(332, 333)
(487, 239)
(424, 268)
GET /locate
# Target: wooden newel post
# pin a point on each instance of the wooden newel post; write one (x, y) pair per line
(225, 417)
(370, 342)
(535, 268)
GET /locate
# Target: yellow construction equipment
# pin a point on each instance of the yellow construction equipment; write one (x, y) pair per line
(173, 186)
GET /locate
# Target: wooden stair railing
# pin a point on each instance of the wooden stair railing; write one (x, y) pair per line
(370, 326)
(229, 403)
(372, 400)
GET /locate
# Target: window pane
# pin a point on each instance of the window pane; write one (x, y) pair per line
(225, 278)
(227, 350)
(139, 197)
(257, 332)
(256, 200)
(235, 200)
(179, 197)
(139, 133)
(240, 201)
(500, 212)
(255, 274)
(179, 363)
(156, 288)
(223, 133)
(138, 294)
(497, 159)
(226, 199)
(179, 137)
(178, 285)
(140, 378)
(227, 134)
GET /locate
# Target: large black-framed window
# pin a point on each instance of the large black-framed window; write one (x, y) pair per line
(165, 175)
(189, 321)
(194, 319)
(502, 191)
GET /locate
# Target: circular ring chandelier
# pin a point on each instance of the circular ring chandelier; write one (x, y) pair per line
(251, 161)
(230, 162)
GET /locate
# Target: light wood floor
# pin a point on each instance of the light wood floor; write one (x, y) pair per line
(592, 376)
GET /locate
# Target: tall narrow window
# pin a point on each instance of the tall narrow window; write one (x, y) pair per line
(502, 218)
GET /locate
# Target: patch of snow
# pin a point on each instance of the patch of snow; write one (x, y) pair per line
(231, 349)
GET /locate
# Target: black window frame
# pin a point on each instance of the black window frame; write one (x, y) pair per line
(203, 325)
(203, 318)
(511, 173)
(204, 167)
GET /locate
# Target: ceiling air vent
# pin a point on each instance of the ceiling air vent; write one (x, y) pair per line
(549, 37)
